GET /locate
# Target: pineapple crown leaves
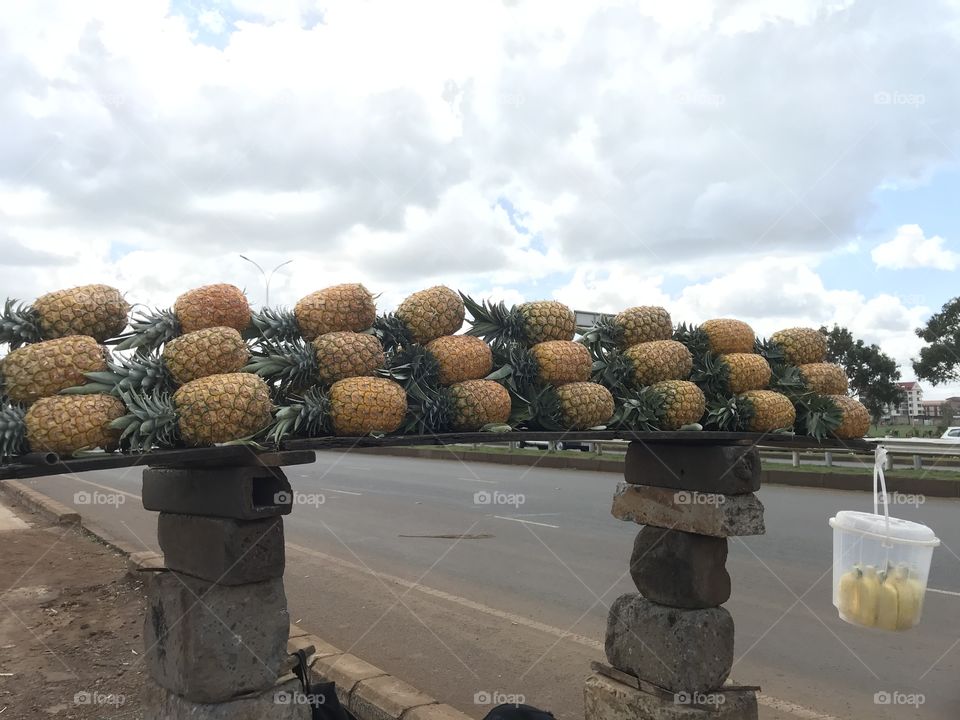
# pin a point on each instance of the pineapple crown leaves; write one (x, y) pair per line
(429, 411)
(641, 410)
(287, 364)
(19, 324)
(414, 367)
(277, 324)
(711, 373)
(392, 332)
(13, 431)
(305, 416)
(516, 368)
(693, 337)
(817, 416)
(539, 410)
(495, 322)
(732, 414)
(613, 369)
(151, 420)
(144, 372)
(786, 380)
(605, 333)
(770, 351)
(149, 329)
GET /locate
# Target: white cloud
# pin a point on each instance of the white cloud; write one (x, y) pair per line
(910, 248)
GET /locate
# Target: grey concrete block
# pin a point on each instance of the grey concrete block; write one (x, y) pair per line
(222, 550)
(680, 650)
(282, 702)
(385, 698)
(243, 493)
(700, 513)
(209, 643)
(724, 469)
(680, 569)
(607, 699)
(346, 670)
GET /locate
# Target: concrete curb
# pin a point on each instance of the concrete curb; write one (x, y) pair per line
(369, 692)
(931, 487)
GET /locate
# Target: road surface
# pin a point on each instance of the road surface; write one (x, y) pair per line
(518, 607)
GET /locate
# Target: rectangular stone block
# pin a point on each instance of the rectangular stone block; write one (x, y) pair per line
(687, 651)
(385, 698)
(693, 512)
(222, 550)
(243, 493)
(607, 699)
(680, 569)
(282, 702)
(724, 469)
(209, 643)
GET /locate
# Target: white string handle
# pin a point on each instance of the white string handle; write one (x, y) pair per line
(879, 462)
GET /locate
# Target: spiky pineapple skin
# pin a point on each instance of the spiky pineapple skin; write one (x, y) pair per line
(584, 405)
(461, 358)
(95, 310)
(644, 323)
(221, 408)
(477, 403)
(727, 336)
(748, 371)
(346, 354)
(683, 403)
(45, 368)
(856, 418)
(432, 313)
(562, 361)
(659, 360)
(218, 305)
(65, 424)
(211, 351)
(545, 320)
(771, 411)
(362, 405)
(346, 307)
(801, 346)
(824, 378)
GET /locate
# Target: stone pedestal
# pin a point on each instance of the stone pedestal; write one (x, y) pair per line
(671, 645)
(216, 627)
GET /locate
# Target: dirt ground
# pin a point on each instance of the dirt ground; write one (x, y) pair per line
(71, 643)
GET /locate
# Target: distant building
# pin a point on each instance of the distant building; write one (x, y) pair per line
(932, 408)
(911, 405)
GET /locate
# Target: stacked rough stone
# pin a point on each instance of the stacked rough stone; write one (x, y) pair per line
(216, 624)
(670, 646)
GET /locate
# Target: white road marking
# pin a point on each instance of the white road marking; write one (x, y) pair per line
(775, 703)
(342, 492)
(943, 592)
(488, 482)
(74, 478)
(527, 522)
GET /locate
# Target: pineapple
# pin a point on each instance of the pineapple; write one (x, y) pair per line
(745, 371)
(431, 313)
(753, 411)
(60, 424)
(347, 307)
(800, 346)
(633, 326)
(209, 410)
(527, 324)
(209, 306)
(333, 356)
(666, 405)
(461, 358)
(854, 417)
(95, 310)
(824, 378)
(477, 403)
(721, 337)
(211, 351)
(841, 416)
(45, 368)
(561, 362)
(659, 360)
(353, 406)
(574, 406)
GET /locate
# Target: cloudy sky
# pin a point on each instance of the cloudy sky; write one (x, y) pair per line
(782, 162)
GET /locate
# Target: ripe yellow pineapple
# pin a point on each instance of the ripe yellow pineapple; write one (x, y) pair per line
(584, 405)
(211, 351)
(561, 361)
(801, 346)
(45, 368)
(431, 313)
(528, 323)
(682, 401)
(461, 358)
(725, 336)
(61, 424)
(209, 410)
(347, 307)
(362, 405)
(219, 305)
(746, 371)
(99, 311)
(476, 403)
(824, 378)
(641, 324)
(855, 419)
(658, 360)
(344, 354)
(770, 411)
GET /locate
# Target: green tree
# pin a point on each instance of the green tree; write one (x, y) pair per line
(940, 361)
(873, 374)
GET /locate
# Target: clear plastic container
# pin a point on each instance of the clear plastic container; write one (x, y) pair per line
(880, 568)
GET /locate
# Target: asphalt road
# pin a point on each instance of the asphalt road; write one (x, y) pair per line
(519, 606)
